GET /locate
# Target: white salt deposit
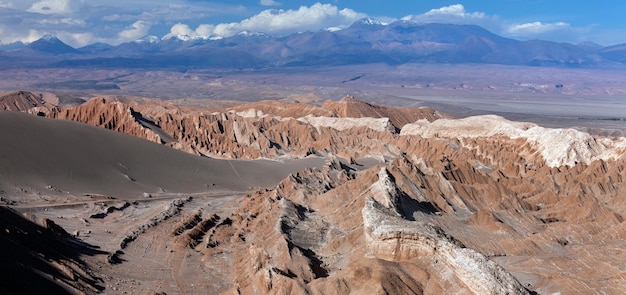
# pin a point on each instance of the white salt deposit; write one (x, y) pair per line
(558, 147)
(377, 124)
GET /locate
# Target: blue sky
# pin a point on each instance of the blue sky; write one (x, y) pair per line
(81, 22)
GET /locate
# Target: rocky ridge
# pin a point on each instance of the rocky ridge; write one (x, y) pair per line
(558, 147)
(43, 258)
(261, 130)
(430, 221)
(111, 115)
(266, 130)
(476, 205)
(25, 101)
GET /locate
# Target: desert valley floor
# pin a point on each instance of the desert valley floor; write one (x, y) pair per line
(133, 195)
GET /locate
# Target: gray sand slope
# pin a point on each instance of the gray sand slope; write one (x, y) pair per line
(38, 153)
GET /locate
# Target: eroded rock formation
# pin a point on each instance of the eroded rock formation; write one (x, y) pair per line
(25, 101)
(478, 205)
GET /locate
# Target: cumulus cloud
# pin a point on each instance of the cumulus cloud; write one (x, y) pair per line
(79, 39)
(137, 30)
(269, 3)
(53, 7)
(10, 35)
(535, 28)
(448, 14)
(183, 31)
(273, 21)
(79, 22)
(457, 14)
(63, 21)
(555, 31)
(173, 12)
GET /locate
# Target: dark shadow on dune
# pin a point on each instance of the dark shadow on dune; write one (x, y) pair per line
(37, 259)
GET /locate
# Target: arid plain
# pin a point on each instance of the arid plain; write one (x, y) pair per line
(551, 96)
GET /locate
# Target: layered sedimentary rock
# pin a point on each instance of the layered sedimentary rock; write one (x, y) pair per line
(438, 219)
(112, 115)
(25, 101)
(40, 257)
(478, 205)
(350, 107)
(558, 147)
(269, 130)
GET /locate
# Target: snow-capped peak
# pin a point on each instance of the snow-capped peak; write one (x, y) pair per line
(148, 39)
(248, 34)
(49, 37)
(369, 21)
(333, 29)
(185, 37)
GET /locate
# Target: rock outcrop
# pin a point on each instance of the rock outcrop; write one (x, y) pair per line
(558, 147)
(441, 217)
(111, 115)
(272, 130)
(25, 101)
(477, 205)
(350, 107)
(43, 258)
(20, 101)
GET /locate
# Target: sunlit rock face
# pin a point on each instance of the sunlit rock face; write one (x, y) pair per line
(410, 201)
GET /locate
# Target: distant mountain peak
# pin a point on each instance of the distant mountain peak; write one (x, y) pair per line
(49, 43)
(49, 37)
(181, 37)
(590, 47)
(251, 34)
(369, 21)
(589, 43)
(186, 38)
(148, 39)
(407, 21)
(12, 46)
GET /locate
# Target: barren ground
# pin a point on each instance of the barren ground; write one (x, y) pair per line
(153, 209)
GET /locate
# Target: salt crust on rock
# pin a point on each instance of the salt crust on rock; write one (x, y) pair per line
(558, 147)
(391, 237)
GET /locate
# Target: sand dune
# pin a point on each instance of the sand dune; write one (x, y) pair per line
(41, 153)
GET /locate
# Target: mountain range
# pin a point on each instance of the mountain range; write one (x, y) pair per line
(366, 41)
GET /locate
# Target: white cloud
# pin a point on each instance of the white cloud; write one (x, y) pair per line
(136, 31)
(77, 40)
(272, 21)
(457, 14)
(448, 14)
(205, 30)
(536, 28)
(181, 29)
(170, 12)
(457, 10)
(269, 3)
(116, 21)
(10, 35)
(63, 21)
(53, 7)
